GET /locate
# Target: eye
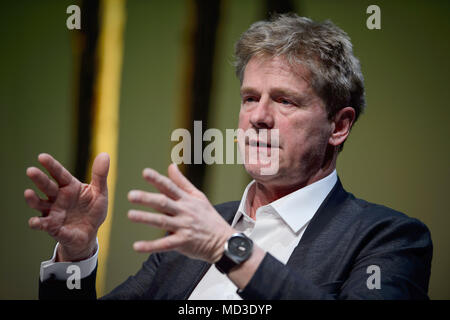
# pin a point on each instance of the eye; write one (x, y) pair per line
(285, 102)
(248, 99)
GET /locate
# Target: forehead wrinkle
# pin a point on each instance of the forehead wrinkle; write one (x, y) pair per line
(279, 66)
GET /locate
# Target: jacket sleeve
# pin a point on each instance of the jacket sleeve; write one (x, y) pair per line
(131, 289)
(52, 289)
(401, 249)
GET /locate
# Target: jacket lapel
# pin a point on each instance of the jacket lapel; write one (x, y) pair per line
(326, 211)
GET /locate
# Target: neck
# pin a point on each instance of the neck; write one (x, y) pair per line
(263, 193)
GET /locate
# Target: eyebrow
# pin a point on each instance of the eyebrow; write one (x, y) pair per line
(248, 90)
(298, 97)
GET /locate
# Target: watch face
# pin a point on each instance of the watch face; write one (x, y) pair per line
(239, 246)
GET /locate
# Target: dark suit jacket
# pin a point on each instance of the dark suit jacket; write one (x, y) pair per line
(344, 238)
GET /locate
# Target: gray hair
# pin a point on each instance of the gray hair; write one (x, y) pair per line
(322, 47)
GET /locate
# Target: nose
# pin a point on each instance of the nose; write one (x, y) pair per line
(261, 116)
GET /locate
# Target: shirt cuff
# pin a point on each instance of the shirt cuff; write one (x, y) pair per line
(58, 270)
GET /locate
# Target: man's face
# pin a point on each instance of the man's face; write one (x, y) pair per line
(275, 96)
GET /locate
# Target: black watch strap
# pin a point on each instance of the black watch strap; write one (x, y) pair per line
(225, 264)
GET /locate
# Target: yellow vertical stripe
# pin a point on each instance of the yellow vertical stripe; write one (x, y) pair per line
(184, 115)
(106, 112)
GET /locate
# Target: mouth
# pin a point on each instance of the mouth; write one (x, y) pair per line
(261, 144)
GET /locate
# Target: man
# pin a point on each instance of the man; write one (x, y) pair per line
(296, 233)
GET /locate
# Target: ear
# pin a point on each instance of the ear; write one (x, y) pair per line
(343, 121)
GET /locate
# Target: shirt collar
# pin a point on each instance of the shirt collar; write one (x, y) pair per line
(242, 209)
(296, 208)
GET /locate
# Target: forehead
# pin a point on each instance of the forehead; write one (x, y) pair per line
(275, 71)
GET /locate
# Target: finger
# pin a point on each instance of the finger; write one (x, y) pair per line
(154, 219)
(35, 202)
(56, 170)
(163, 184)
(181, 181)
(100, 170)
(50, 224)
(156, 201)
(159, 245)
(38, 223)
(43, 182)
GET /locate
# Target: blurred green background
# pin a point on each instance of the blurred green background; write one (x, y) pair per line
(397, 155)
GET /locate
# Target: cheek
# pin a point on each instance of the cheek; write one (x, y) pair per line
(243, 120)
(304, 134)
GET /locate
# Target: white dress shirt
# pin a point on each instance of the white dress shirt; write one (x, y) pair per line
(277, 229)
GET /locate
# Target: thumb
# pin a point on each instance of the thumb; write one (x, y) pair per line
(100, 170)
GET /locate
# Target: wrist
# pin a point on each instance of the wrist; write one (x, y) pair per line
(220, 247)
(66, 254)
(242, 274)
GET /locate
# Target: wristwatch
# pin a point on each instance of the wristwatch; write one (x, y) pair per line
(238, 249)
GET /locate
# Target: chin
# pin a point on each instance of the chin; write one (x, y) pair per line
(262, 173)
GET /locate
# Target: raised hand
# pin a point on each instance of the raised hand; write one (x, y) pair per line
(73, 211)
(196, 228)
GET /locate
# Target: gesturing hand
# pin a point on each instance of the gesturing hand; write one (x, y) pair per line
(73, 211)
(195, 228)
